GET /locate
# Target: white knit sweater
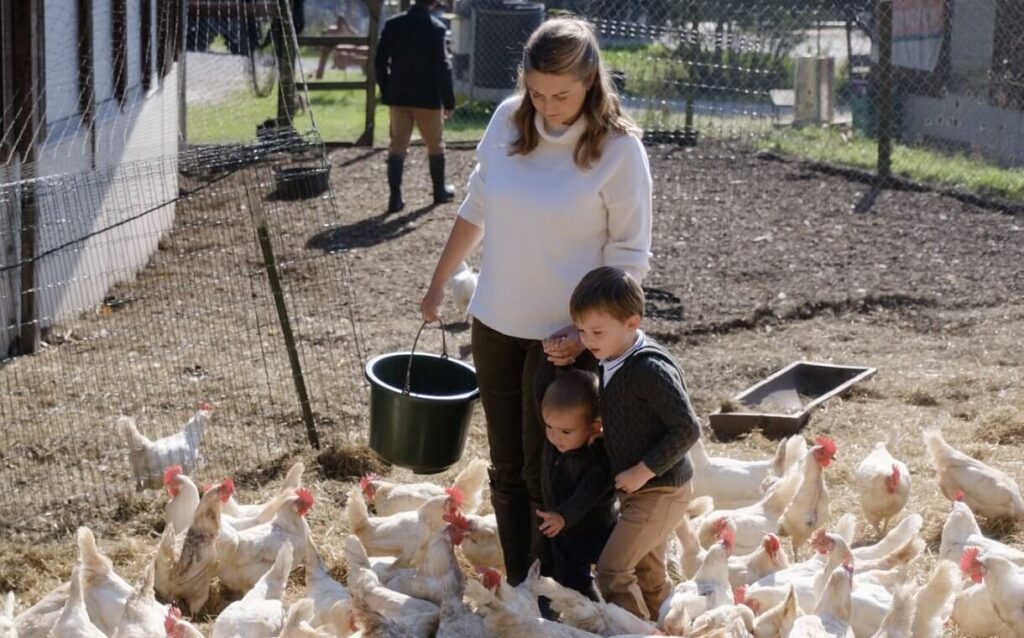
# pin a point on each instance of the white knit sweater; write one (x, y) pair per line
(547, 222)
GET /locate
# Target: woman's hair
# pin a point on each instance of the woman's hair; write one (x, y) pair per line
(568, 46)
(572, 389)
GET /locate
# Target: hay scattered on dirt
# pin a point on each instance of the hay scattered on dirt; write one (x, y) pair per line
(921, 398)
(1003, 425)
(348, 462)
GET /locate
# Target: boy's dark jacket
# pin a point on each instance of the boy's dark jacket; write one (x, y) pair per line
(578, 485)
(647, 416)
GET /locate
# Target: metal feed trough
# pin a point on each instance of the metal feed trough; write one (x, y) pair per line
(781, 404)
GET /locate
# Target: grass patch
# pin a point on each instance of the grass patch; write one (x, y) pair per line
(919, 164)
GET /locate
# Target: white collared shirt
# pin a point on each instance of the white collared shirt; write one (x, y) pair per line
(610, 366)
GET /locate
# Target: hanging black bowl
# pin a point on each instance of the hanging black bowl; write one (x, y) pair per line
(301, 182)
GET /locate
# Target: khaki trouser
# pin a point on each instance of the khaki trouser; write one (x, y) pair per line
(631, 571)
(430, 122)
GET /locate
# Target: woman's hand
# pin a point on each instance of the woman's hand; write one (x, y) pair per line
(431, 304)
(563, 347)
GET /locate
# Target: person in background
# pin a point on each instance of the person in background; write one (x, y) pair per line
(415, 79)
(561, 186)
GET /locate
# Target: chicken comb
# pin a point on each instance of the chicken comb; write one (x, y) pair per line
(490, 577)
(728, 537)
(455, 517)
(720, 523)
(226, 489)
(772, 544)
(819, 540)
(205, 407)
(959, 496)
(455, 494)
(172, 473)
(739, 594)
(968, 558)
(305, 501)
(364, 481)
(827, 444)
(171, 621)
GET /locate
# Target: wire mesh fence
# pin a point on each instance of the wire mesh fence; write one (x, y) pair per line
(162, 302)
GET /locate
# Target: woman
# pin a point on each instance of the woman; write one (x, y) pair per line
(562, 186)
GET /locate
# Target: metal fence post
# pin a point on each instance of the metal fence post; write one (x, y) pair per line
(284, 49)
(885, 80)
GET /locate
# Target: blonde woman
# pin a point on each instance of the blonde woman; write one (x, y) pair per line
(562, 186)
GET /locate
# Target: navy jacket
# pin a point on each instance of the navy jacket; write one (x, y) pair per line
(412, 63)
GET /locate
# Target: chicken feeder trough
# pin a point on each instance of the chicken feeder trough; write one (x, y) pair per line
(420, 408)
(781, 404)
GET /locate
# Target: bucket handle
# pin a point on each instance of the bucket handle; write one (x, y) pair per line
(444, 352)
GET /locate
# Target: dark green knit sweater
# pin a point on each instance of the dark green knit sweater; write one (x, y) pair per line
(647, 416)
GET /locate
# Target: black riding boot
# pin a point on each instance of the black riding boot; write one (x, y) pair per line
(443, 193)
(515, 520)
(395, 165)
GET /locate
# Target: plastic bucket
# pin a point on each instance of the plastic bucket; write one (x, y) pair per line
(420, 408)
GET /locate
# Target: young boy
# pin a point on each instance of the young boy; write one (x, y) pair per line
(576, 480)
(649, 426)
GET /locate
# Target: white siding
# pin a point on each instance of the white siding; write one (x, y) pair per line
(61, 59)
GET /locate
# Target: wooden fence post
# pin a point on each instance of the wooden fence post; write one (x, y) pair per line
(374, 8)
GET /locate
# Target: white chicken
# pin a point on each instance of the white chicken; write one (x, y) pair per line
(709, 588)
(961, 531)
(728, 621)
(260, 613)
(503, 622)
(522, 598)
(292, 482)
(733, 483)
(883, 486)
(7, 617)
(298, 622)
(104, 592)
(810, 507)
(974, 614)
(898, 622)
(1004, 582)
(777, 621)
(74, 619)
(831, 618)
(150, 457)
(143, 617)
(391, 498)
(185, 573)
(177, 627)
(184, 498)
(403, 534)
(463, 285)
(932, 601)
(576, 610)
(330, 599)
(768, 558)
(481, 545)
(371, 599)
(987, 491)
(243, 557)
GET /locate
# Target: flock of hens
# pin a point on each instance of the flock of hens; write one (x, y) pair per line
(407, 564)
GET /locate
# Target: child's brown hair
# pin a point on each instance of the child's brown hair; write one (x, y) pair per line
(572, 389)
(610, 290)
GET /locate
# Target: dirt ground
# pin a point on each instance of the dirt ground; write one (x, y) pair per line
(757, 263)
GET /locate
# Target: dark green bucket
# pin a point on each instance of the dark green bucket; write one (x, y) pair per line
(420, 407)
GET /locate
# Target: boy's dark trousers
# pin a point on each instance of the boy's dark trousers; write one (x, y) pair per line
(574, 552)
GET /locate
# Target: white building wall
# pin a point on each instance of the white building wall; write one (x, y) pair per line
(88, 181)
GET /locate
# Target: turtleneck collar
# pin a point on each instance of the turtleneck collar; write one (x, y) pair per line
(569, 136)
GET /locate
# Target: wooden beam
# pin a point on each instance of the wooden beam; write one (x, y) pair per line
(333, 86)
(119, 45)
(146, 37)
(374, 8)
(332, 40)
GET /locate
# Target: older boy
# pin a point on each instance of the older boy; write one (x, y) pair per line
(649, 426)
